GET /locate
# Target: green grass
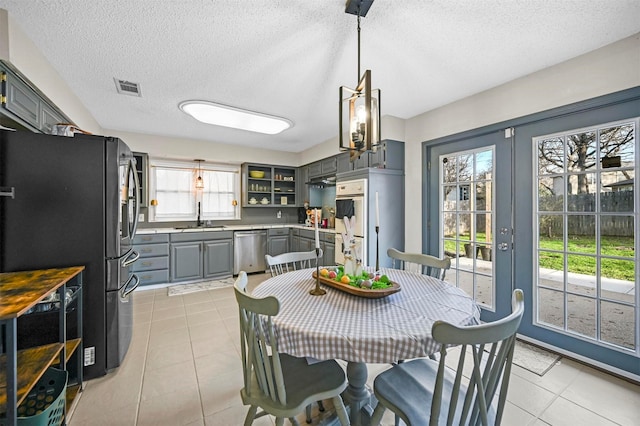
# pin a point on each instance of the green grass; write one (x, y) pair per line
(577, 247)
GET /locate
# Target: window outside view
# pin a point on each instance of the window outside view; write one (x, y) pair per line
(466, 211)
(586, 248)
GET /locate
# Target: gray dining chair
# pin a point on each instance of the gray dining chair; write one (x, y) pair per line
(291, 261)
(423, 391)
(278, 383)
(424, 263)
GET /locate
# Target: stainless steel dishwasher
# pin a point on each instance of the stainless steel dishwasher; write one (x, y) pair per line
(249, 248)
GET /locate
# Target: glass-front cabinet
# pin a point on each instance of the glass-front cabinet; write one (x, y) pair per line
(268, 186)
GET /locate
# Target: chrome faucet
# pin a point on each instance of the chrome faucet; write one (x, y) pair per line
(199, 222)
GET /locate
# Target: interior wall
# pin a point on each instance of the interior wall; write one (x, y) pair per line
(189, 149)
(18, 49)
(606, 70)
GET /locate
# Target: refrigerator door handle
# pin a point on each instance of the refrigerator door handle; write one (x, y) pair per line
(136, 198)
(7, 191)
(128, 287)
(130, 257)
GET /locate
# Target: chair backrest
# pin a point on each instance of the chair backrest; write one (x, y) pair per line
(424, 263)
(491, 346)
(292, 261)
(260, 356)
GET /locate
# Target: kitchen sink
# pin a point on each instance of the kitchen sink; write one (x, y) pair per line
(200, 227)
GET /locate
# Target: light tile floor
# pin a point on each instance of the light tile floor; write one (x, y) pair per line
(183, 368)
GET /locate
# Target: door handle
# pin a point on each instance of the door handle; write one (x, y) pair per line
(7, 191)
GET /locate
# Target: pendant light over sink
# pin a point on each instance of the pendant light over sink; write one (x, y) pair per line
(359, 109)
(199, 180)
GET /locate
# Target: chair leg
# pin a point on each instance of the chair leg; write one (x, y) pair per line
(307, 411)
(376, 418)
(320, 406)
(279, 421)
(294, 421)
(341, 411)
(251, 415)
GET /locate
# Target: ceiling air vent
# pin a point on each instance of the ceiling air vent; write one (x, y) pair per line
(125, 87)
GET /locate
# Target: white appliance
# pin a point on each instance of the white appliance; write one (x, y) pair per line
(351, 201)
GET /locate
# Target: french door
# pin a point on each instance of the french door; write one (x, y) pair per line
(469, 216)
(550, 206)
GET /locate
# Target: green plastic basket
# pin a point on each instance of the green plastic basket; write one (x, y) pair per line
(44, 405)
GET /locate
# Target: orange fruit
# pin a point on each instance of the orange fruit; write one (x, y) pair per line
(324, 272)
(345, 279)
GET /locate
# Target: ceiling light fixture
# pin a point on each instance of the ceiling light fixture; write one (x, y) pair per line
(360, 107)
(199, 180)
(236, 118)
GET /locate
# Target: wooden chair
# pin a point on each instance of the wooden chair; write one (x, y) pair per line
(424, 263)
(422, 391)
(292, 261)
(280, 384)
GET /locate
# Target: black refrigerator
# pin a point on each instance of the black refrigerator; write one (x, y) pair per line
(70, 201)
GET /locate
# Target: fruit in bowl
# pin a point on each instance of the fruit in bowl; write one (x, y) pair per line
(365, 280)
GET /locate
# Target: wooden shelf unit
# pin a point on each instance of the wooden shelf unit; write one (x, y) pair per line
(20, 370)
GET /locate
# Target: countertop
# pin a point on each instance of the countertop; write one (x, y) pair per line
(142, 231)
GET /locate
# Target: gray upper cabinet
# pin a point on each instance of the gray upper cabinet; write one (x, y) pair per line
(24, 105)
(49, 117)
(21, 100)
(315, 169)
(389, 155)
(329, 166)
(343, 163)
(325, 167)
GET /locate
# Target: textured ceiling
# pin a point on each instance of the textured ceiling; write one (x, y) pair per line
(288, 57)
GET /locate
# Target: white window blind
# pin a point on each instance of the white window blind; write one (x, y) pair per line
(172, 184)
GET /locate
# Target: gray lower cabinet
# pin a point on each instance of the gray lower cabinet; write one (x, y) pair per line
(199, 255)
(153, 265)
(278, 241)
(305, 240)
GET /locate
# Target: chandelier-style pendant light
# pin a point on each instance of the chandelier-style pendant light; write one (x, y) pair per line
(359, 108)
(199, 180)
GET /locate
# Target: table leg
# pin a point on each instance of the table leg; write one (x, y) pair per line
(357, 395)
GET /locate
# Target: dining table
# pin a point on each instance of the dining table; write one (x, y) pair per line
(361, 330)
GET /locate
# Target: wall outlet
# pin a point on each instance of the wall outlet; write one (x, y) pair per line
(89, 356)
(141, 217)
(279, 214)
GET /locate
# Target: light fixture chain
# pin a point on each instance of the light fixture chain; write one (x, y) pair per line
(358, 76)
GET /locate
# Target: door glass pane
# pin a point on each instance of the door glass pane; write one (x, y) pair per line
(581, 151)
(550, 156)
(586, 244)
(551, 307)
(550, 193)
(581, 318)
(617, 324)
(616, 191)
(581, 234)
(466, 211)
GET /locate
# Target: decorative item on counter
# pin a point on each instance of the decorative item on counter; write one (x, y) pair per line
(349, 244)
(358, 252)
(317, 291)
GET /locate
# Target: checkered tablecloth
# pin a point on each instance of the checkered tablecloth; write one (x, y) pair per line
(356, 329)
